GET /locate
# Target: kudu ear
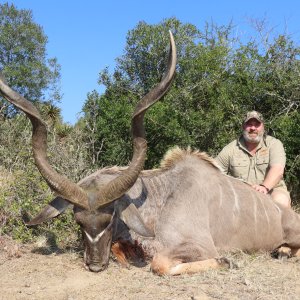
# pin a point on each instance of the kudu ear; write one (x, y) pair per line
(130, 215)
(51, 210)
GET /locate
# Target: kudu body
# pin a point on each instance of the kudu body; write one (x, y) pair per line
(184, 214)
(196, 213)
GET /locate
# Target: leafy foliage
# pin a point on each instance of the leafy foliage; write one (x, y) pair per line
(23, 190)
(218, 79)
(23, 58)
(26, 68)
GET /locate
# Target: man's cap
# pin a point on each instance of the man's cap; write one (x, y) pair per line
(253, 115)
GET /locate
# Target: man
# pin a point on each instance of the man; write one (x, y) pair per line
(257, 159)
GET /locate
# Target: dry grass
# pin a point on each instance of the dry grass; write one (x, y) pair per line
(33, 274)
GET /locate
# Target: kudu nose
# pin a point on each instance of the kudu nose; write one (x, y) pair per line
(96, 267)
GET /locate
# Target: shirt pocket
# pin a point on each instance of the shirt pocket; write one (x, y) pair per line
(262, 163)
(239, 167)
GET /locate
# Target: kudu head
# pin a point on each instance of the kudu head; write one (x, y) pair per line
(96, 206)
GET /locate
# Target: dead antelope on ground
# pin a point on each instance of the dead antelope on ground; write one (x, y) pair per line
(184, 214)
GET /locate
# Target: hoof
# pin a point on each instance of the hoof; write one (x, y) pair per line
(226, 263)
(283, 253)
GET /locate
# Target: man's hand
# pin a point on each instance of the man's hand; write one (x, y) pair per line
(261, 188)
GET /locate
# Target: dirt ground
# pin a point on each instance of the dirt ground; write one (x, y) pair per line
(30, 272)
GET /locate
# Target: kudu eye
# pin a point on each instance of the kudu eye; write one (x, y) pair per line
(79, 223)
(78, 220)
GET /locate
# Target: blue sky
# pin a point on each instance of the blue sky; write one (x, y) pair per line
(87, 36)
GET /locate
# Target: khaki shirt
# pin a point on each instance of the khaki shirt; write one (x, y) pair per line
(237, 161)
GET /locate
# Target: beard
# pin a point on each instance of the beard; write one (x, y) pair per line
(253, 139)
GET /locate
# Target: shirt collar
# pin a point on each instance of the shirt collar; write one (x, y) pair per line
(241, 143)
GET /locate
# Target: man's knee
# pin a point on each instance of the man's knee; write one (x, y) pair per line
(282, 198)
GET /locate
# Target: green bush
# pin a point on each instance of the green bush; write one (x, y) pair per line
(23, 190)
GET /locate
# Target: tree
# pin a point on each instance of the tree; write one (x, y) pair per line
(23, 189)
(181, 118)
(27, 69)
(23, 58)
(218, 79)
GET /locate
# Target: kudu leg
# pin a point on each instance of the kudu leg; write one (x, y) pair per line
(295, 252)
(163, 265)
(287, 252)
(291, 230)
(125, 251)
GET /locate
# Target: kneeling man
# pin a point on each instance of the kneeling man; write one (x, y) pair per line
(258, 159)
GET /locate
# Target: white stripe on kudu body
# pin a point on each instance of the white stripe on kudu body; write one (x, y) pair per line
(220, 197)
(236, 207)
(254, 213)
(267, 216)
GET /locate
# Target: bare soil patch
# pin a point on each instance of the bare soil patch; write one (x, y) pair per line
(31, 273)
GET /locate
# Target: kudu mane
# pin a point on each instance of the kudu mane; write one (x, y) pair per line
(177, 154)
(170, 159)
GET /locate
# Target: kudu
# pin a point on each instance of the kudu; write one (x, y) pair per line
(184, 214)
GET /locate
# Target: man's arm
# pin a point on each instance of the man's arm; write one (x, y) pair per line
(273, 176)
(276, 170)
